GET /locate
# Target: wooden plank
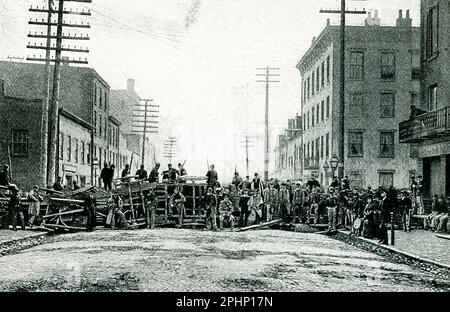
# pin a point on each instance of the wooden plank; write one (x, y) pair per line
(257, 226)
(63, 213)
(58, 226)
(68, 201)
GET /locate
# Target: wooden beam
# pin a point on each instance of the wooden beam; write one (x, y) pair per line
(63, 213)
(65, 227)
(258, 226)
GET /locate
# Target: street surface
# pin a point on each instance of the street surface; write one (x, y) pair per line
(190, 260)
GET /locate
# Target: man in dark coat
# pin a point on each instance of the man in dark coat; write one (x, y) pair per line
(89, 209)
(15, 208)
(385, 217)
(141, 174)
(104, 175)
(212, 177)
(154, 174)
(243, 204)
(125, 172)
(404, 205)
(57, 185)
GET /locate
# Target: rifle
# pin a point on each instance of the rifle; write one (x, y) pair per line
(131, 162)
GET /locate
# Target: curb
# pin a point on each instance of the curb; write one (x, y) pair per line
(442, 236)
(7, 247)
(395, 250)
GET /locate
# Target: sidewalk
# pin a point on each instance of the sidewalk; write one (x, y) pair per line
(419, 244)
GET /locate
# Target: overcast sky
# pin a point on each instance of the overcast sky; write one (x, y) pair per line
(197, 59)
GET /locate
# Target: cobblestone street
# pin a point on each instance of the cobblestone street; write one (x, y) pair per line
(186, 260)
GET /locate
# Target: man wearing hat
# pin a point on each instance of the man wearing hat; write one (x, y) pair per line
(226, 211)
(297, 203)
(177, 201)
(210, 200)
(15, 207)
(405, 205)
(89, 208)
(243, 205)
(385, 216)
(154, 174)
(35, 206)
(331, 203)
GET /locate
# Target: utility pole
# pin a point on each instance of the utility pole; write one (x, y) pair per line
(141, 121)
(341, 146)
(50, 107)
(169, 148)
(247, 145)
(267, 74)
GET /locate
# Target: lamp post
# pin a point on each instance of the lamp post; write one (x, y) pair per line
(334, 164)
(95, 165)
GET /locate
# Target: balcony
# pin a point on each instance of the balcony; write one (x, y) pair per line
(430, 125)
(311, 163)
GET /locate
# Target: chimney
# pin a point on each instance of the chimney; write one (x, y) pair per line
(372, 21)
(130, 84)
(313, 41)
(65, 60)
(328, 22)
(404, 21)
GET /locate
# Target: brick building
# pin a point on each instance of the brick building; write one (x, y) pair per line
(381, 83)
(288, 151)
(123, 102)
(428, 130)
(88, 132)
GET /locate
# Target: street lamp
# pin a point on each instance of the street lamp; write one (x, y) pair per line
(95, 165)
(334, 164)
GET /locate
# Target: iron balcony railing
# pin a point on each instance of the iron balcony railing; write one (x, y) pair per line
(426, 126)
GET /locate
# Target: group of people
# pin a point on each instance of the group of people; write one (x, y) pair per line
(169, 175)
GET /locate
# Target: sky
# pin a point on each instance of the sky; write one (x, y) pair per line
(198, 60)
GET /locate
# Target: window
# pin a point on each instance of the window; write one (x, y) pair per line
(432, 32)
(100, 157)
(95, 122)
(100, 122)
(387, 144)
(356, 104)
(101, 98)
(106, 127)
(387, 105)
(83, 153)
(432, 98)
(356, 178)
(308, 149)
(327, 145)
(328, 107)
(82, 181)
(321, 146)
(317, 149)
(307, 120)
(415, 66)
(69, 148)
(328, 68)
(312, 117)
(76, 151)
(88, 154)
(317, 113)
(61, 145)
(386, 178)
(355, 143)
(388, 66)
(318, 79)
(304, 121)
(304, 151)
(356, 66)
(313, 81)
(312, 150)
(95, 94)
(322, 76)
(19, 143)
(308, 93)
(105, 99)
(322, 111)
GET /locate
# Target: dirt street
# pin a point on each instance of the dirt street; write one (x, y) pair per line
(190, 260)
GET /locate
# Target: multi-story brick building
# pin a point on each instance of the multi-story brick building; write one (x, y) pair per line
(288, 160)
(381, 83)
(428, 128)
(123, 102)
(88, 133)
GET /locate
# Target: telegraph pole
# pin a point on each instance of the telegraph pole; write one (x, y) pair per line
(169, 148)
(141, 121)
(247, 145)
(267, 74)
(50, 113)
(341, 146)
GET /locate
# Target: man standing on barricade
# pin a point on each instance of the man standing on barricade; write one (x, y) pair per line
(210, 201)
(176, 202)
(154, 174)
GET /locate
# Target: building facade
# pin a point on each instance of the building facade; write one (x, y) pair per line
(381, 83)
(428, 128)
(89, 132)
(288, 151)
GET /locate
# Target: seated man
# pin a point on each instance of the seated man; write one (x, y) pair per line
(442, 212)
(429, 221)
(176, 202)
(226, 211)
(115, 205)
(444, 221)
